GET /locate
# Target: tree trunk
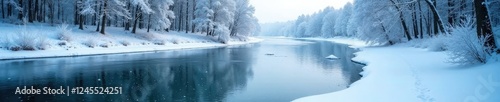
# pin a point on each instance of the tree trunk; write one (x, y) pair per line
(61, 12)
(3, 9)
(9, 9)
(30, 11)
(36, 11)
(137, 14)
(80, 17)
(80, 22)
(484, 24)
(403, 23)
(141, 21)
(429, 23)
(438, 23)
(20, 14)
(97, 18)
(180, 20)
(451, 13)
(41, 12)
(415, 24)
(193, 16)
(463, 7)
(75, 14)
(385, 32)
(104, 12)
(149, 22)
(52, 12)
(421, 20)
(127, 21)
(187, 16)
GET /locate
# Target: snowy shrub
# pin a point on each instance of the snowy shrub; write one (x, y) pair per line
(105, 45)
(176, 41)
(63, 43)
(148, 36)
(125, 43)
(437, 43)
(91, 43)
(64, 33)
(465, 47)
(222, 34)
(240, 38)
(3, 42)
(153, 37)
(42, 43)
(27, 40)
(159, 42)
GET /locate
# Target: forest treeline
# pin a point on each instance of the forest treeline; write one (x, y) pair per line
(397, 21)
(219, 18)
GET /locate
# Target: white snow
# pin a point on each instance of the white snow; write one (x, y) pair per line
(332, 57)
(115, 40)
(401, 73)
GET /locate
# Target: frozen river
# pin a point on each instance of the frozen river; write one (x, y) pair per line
(274, 70)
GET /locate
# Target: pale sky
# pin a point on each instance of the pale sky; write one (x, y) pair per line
(268, 11)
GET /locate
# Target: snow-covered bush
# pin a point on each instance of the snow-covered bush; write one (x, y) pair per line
(222, 34)
(91, 43)
(465, 47)
(148, 36)
(42, 43)
(4, 42)
(64, 33)
(26, 40)
(159, 42)
(437, 43)
(125, 43)
(175, 40)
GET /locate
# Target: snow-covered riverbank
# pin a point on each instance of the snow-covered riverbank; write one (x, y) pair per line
(401, 73)
(88, 42)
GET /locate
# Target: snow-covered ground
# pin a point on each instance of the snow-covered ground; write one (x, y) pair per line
(401, 73)
(88, 42)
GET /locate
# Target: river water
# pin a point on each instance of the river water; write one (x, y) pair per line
(274, 70)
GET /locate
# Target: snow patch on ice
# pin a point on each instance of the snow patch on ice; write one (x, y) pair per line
(332, 57)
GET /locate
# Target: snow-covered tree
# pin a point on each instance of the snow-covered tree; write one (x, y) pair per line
(200, 16)
(343, 20)
(223, 18)
(244, 21)
(203, 14)
(327, 29)
(106, 9)
(161, 15)
(313, 28)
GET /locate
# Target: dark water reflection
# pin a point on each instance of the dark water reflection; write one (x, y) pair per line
(240, 73)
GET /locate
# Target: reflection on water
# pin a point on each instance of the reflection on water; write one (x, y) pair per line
(242, 73)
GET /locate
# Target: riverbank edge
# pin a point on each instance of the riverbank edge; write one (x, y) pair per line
(18, 55)
(404, 73)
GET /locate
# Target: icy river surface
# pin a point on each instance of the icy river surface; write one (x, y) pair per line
(275, 70)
